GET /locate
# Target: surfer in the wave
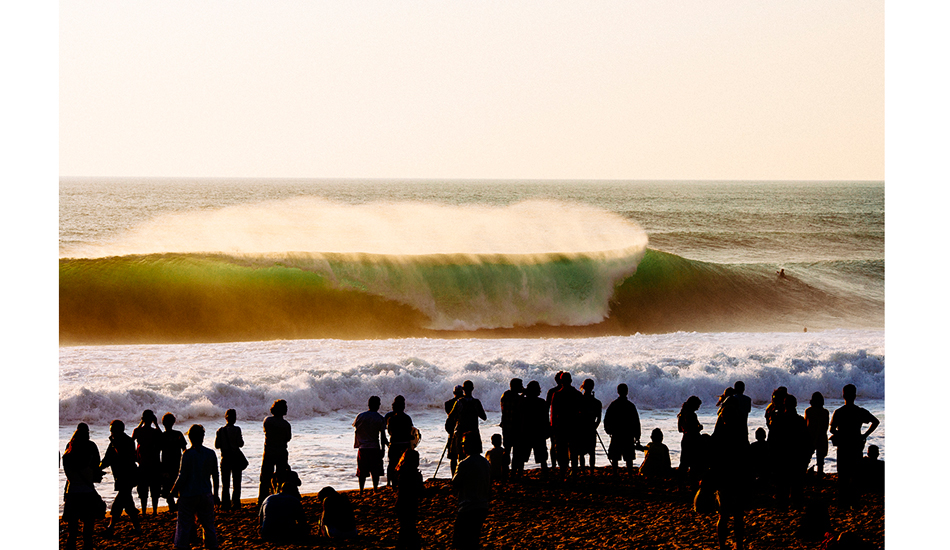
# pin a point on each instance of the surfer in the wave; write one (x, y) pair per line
(781, 273)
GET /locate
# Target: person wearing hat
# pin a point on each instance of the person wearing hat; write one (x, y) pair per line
(591, 410)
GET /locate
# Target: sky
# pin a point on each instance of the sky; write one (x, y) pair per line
(473, 89)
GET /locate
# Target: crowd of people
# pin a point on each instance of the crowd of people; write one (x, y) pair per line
(721, 466)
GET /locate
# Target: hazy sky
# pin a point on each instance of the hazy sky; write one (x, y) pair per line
(460, 89)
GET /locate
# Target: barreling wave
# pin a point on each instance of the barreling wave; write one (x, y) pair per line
(217, 297)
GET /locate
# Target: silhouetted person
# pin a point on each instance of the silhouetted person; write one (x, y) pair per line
(465, 415)
(547, 399)
(409, 491)
(148, 454)
(775, 407)
(173, 444)
(81, 501)
(872, 470)
(719, 430)
(499, 459)
(451, 445)
(622, 423)
(228, 438)
(336, 520)
(275, 462)
(472, 483)
(736, 410)
(399, 428)
(656, 457)
(536, 430)
(197, 479)
(512, 416)
(687, 423)
(282, 517)
(370, 440)
(793, 450)
(729, 475)
(565, 423)
(816, 418)
(759, 457)
(846, 424)
(120, 456)
(590, 417)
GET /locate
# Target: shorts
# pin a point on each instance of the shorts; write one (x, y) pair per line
(369, 462)
(621, 449)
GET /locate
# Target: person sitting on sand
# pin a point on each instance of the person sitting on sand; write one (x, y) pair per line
(120, 456)
(590, 417)
(370, 441)
(173, 444)
(498, 459)
(275, 462)
(197, 479)
(399, 427)
(656, 457)
(472, 482)
(228, 438)
(408, 494)
(148, 454)
(336, 520)
(81, 501)
(846, 436)
(282, 517)
(536, 430)
(465, 415)
(872, 470)
(816, 419)
(622, 423)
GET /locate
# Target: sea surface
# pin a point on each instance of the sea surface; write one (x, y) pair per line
(193, 296)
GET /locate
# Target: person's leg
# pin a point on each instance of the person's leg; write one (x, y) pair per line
(143, 494)
(236, 495)
(267, 471)
(204, 510)
(186, 522)
(225, 486)
(722, 529)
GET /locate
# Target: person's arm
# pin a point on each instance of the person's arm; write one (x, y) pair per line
(214, 478)
(600, 409)
(240, 437)
(182, 473)
(833, 428)
(218, 440)
(481, 411)
(874, 424)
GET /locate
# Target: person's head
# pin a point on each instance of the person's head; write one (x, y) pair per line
(790, 403)
(469, 443)
(399, 404)
(817, 400)
(279, 408)
(116, 427)
(289, 481)
(80, 435)
(849, 393)
(557, 378)
(726, 394)
(148, 417)
(566, 379)
(409, 461)
(656, 435)
(873, 452)
(587, 385)
(458, 391)
(693, 403)
(533, 389)
(496, 440)
(374, 403)
(168, 420)
(516, 385)
(739, 387)
(326, 492)
(196, 434)
(760, 434)
(622, 390)
(230, 416)
(468, 387)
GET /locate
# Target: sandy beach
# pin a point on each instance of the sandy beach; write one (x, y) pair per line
(599, 510)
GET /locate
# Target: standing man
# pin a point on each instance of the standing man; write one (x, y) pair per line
(622, 423)
(399, 428)
(846, 424)
(465, 415)
(450, 444)
(228, 438)
(198, 474)
(565, 423)
(536, 431)
(472, 482)
(275, 460)
(591, 411)
(512, 416)
(370, 440)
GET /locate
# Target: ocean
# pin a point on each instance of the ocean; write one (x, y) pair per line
(193, 296)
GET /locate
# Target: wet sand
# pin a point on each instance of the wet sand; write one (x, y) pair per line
(599, 510)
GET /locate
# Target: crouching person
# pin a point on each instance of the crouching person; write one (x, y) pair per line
(197, 476)
(282, 517)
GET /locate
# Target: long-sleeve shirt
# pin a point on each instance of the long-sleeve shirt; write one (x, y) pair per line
(199, 466)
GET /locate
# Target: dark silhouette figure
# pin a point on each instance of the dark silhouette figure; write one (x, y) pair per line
(512, 416)
(148, 454)
(687, 423)
(277, 435)
(81, 501)
(465, 415)
(498, 457)
(229, 440)
(336, 521)
(846, 436)
(197, 490)
(450, 445)
(872, 470)
(565, 424)
(409, 491)
(590, 417)
(120, 456)
(622, 423)
(536, 430)
(775, 408)
(816, 418)
(735, 414)
(759, 458)
(729, 476)
(370, 440)
(399, 428)
(656, 457)
(548, 398)
(793, 451)
(282, 517)
(472, 483)
(173, 444)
